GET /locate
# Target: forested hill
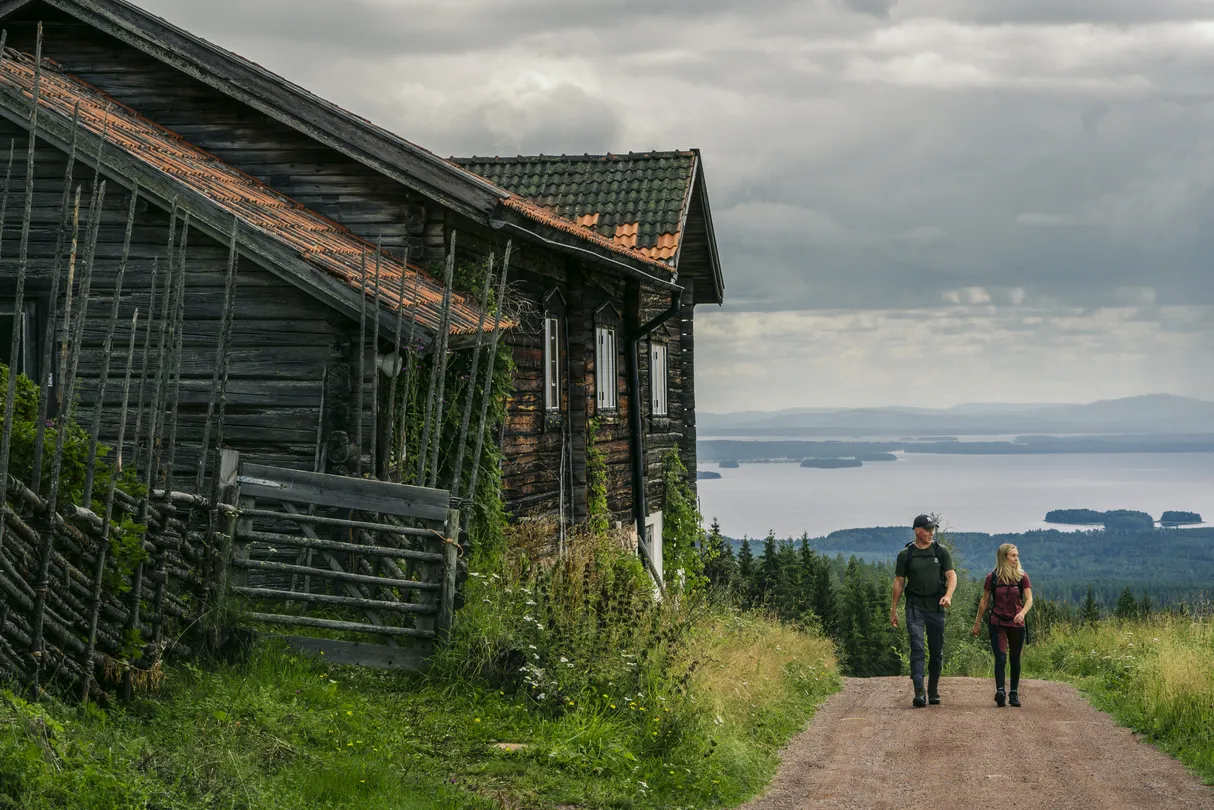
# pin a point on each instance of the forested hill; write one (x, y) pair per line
(1171, 564)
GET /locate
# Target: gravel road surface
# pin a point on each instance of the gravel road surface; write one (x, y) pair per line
(867, 749)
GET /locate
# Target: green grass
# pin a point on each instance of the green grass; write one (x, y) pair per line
(282, 731)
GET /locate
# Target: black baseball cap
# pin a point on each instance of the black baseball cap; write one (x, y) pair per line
(924, 522)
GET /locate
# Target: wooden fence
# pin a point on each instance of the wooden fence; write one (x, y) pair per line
(341, 555)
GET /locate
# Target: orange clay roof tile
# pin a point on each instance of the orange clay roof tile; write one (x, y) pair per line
(326, 245)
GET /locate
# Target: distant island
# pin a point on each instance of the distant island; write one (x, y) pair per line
(831, 463)
(876, 457)
(707, 475)
(1172, 518)
(729, 465)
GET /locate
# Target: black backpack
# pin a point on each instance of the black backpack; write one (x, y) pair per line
(910, 552)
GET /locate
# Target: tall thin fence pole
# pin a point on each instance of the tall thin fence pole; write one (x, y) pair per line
(221, 356)
(389, 435)
(362, 366)
(140, 406)
(103, 383)
(86, 662)
(409, 358)
(458, 473)
(48, 351)
(375, 366)
(175, 359)
(10, 398)
(437, 370)
(487, 391)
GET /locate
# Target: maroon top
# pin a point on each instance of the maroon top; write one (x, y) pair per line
(1007, 601)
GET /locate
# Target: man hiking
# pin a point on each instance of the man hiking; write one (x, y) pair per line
(925, 571)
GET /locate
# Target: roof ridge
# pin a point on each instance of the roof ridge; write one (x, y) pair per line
(583, 158)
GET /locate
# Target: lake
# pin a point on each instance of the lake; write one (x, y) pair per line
(971, 493)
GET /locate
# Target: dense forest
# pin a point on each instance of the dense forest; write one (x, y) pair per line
(811, 582)
(1173, 565)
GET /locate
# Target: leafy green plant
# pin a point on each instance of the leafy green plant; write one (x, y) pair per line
(599, 518)
(682, 529)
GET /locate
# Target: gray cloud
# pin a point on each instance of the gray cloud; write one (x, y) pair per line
(1037, 169)
(877, 8)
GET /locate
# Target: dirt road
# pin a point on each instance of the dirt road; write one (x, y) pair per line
(868, 749)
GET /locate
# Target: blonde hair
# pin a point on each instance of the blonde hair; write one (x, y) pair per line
(1005, 572)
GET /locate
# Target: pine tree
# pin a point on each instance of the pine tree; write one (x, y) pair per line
(720, 567)
(746, 573)
(1145, 607)
(1127, 606)
(1090, 612)
(824, 603)
(766, 572)
(852, 622)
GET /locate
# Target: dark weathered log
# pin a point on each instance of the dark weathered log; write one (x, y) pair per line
(329, 624)
(338, 576)
(327, 599)
(301, 518)
(291, 540)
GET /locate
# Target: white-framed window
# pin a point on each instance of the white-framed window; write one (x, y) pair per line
(604, 367)
(659, 368)
(552, 363)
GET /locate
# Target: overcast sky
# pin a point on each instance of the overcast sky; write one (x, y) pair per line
(916, 201)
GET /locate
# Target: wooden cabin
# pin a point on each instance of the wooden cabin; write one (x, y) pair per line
(611, 254)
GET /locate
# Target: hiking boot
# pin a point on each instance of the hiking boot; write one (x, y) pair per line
(933, 700)
(1000, 698)
(1013, 699)
(920, 700)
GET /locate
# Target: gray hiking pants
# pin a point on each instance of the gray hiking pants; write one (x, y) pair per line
(919, 620)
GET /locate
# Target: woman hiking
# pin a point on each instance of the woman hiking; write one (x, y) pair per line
(1010, 595)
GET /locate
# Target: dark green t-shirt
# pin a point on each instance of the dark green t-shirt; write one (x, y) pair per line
(924, 572)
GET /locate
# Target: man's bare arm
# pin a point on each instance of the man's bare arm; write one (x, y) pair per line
(951, 578)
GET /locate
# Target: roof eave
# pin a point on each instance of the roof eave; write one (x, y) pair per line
(573, 245)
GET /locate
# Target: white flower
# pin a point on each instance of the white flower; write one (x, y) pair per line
(532, 646)
(564, 660)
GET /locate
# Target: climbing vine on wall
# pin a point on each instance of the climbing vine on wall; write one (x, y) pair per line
(682, 529)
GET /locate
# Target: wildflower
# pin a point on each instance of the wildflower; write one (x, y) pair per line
(349, 714)
(612, 705)
(477, 720)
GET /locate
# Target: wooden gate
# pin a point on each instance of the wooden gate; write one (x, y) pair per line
(342, 556)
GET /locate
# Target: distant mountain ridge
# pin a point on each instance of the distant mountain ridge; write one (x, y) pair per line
(1147, 414)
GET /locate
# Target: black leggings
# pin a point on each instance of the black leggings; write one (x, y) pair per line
(1007, 642)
